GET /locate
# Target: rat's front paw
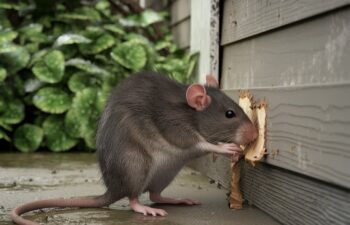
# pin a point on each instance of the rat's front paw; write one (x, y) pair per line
(229, 148)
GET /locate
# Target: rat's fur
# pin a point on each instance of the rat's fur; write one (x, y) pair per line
(148, 132)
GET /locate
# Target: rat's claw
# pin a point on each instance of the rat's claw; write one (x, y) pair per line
(229, 148)
(145, 210)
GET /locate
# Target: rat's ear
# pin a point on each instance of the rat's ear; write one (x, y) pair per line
(197, 97)
(211, 81)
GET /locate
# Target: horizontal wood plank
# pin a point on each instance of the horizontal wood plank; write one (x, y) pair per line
(219, 170)
(314, 52)
(242, 18)
(180, 10)
(181, 33)
(308, 130)
(294, 199)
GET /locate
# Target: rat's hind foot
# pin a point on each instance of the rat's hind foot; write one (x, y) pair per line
(157, 198)
(145, 210)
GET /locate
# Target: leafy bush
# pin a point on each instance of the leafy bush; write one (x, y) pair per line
(58, 63)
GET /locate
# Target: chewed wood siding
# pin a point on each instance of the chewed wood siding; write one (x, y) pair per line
(303, 71)
(296, 55)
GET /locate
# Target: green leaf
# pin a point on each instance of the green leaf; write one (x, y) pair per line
(31, 29)
(85, 110)
(93, 32)
(3, 74)
(7, 36)
(69, 51)
(5, 126)
(86, 66)
(193, 59)
(83, 13)
(68, 39)
(80, 81)
(130, 56)
(102, 43)
(34, 33)
(15, 6)
(102, 97)
(4, 20)
(90, 136)
(104, 7)
(28, 137)
(2, 104)
(72, 123)
(114, 28)
(4, 136)
(84, 103)
(8, 47)
(149, 17)
(32, 85)
(136, 39)
(52, 100)
(18, 84)
(130, 21)
(14, 112)
(32, 47)
(38, 56)
(57, 139)
(51, 68)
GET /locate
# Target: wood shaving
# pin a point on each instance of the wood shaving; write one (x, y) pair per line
(254, 151)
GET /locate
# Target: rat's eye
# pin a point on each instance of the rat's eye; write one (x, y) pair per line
(230, 114)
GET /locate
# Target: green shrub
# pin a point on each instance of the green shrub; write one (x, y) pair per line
(58, 63)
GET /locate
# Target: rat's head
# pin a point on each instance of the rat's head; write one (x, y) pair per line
(219, 118)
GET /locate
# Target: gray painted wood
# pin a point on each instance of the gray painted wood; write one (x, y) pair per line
(314, 52)
(205, 37)
(180, 10)
(181, 33)
(308, 130)
(286, 196)
(242, 18)
(219, 170)
(294, 199)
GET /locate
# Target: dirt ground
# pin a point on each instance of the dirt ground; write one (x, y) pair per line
(27, 177)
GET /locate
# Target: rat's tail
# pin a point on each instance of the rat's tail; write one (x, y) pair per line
(95, 202)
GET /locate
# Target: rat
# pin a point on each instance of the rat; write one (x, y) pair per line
(150, 128)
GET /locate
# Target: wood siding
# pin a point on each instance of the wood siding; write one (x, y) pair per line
(181, 22)
(243, 18)
(308, 130)
(310, 53)
(296, 55)
(303, 72)
(293, 199)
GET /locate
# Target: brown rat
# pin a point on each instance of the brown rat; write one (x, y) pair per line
(150, 128)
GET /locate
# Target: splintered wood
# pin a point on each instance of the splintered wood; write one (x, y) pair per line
(253, 152)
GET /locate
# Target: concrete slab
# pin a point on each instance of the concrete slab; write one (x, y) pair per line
(28, 177)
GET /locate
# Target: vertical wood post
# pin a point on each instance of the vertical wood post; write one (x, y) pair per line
(205, 36)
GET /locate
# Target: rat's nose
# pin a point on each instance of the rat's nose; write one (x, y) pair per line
(250, 133)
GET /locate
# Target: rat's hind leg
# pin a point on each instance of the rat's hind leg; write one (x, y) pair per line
(157, 198)
(145, 210)
(136, 178)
